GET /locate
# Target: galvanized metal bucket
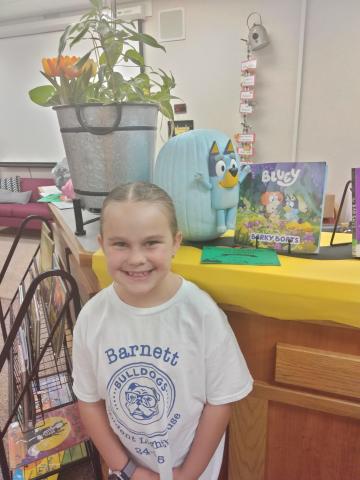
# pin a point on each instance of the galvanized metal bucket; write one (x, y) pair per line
(107, 145)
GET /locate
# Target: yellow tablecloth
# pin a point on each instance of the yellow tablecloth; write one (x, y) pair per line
(300, 289)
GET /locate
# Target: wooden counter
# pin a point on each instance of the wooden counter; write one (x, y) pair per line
(302, 420)
(76, 252)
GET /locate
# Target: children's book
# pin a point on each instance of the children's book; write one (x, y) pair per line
(47, 248)
(355, 178)
(281, 206)
(50, 463)
(58, 430)
(53, 390)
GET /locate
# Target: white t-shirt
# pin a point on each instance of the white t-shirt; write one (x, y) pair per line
(156, 368)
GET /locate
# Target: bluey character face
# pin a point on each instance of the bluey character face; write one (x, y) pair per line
(224, 167)
(291, 201)
(142, 402)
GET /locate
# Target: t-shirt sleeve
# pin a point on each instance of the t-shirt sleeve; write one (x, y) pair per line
(227, 376)
(84, 375)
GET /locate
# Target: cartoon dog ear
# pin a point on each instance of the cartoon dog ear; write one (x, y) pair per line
(214, 150)
(229, 148)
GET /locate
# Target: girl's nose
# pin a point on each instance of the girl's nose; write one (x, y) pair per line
(136, 257)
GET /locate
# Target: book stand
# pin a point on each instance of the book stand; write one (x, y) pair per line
(289, 245)
(346, 188)
(39, 375)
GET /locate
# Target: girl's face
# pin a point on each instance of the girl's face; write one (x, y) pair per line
(138, 244)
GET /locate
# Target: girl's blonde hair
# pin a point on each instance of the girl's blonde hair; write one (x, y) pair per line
(142, 192)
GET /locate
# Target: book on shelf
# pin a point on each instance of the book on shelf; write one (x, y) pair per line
(58, 430)
(45, 263)
(53, 390)
(355, 202)
(281, 206)
(36, 317)
(50, 463)
(58, 295)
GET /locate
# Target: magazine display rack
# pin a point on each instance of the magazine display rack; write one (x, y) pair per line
(42, 432)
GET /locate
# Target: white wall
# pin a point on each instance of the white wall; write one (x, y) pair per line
(206, 66)
(28, 131)
(329, 121)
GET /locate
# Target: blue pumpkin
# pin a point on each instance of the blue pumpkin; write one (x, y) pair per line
(201, 172)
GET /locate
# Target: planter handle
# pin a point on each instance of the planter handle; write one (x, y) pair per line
(97, 130)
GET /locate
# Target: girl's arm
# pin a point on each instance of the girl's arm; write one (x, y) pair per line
(95, 420)
(211, 427)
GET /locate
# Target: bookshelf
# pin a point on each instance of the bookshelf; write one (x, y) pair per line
(42, 431)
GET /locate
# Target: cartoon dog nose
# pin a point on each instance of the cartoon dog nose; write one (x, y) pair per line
(233, 171)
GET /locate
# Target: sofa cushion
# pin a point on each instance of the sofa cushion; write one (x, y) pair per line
(34, 184)
(24, 211)
(10, 183)
(6, 196)
(5, 209)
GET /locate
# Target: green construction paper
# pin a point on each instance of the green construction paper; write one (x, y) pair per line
(239, 256)
(52, 197)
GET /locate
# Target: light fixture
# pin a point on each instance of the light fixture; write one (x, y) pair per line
(258, 37)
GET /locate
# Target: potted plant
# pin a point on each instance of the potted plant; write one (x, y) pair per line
(108, 122)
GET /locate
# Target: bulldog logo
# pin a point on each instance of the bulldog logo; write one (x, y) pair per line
(140, 396)
(141, 401)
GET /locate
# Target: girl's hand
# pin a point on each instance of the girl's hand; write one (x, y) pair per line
(142, 473)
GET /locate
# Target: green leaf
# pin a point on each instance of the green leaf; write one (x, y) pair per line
(80, 35)
(51, 80)
(142, 80)
(134, 56)
(166, 110)
(112, 51)
(42, 95)
(80, 63)
(103, 28)
(147, 39)
(97, 4)
(63, 40)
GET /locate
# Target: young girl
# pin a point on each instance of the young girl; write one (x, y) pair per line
(156, 364)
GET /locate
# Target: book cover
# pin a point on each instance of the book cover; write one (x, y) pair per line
(60, 429)
(50, 463)
(58, 295)
(355, 187)
(47, 248)
(53, 390)
(281, 206)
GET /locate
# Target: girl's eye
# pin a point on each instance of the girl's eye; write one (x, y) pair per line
(119, 244)
(152, 243)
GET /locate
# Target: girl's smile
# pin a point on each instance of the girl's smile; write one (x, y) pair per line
(138, 243)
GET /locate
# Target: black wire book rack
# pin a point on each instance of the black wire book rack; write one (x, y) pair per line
(42, 433)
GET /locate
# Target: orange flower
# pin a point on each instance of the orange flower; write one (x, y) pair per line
(65, 66)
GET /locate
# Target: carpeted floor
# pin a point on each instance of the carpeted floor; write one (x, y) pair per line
(15, 272)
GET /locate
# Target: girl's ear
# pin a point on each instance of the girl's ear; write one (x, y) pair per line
(100, 241)
(177, 242)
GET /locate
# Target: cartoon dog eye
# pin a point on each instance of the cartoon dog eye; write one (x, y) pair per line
(145, 399)
(233, 163)
(220, 168)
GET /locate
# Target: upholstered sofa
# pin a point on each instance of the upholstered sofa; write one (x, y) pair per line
(12, 214)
